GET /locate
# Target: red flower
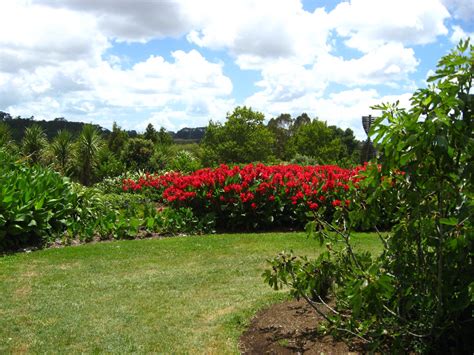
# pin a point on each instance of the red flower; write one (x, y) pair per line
(336, 203)
(253, 205)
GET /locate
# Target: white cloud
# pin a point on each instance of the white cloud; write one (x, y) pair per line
(137, 20)
(257, 33)
(189, 84)
(388, 64)
(287, 86)
(33, 36)
(458, 34)
(461, 9)
(369, 24)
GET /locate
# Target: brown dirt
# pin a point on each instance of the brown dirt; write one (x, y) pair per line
(289, 328)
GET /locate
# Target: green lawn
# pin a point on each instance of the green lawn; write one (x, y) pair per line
(180, 295)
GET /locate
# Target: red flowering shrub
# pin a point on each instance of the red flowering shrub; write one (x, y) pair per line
(255, 195)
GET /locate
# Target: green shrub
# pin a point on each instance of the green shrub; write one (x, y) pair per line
(185, 162)
(418, 295)
(183, 221)
(35, 204)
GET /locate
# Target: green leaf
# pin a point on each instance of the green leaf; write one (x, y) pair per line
(449, 221)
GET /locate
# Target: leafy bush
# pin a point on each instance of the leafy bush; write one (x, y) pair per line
(418, 295)
(39, 207)
(184, 162)
(182, 220)
(35, 204)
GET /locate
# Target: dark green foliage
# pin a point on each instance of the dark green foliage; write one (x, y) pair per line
(318, 140)
(313, 139)
(117, 139)
(418, 295)
(109, 165)
(242, 139)
(61, 151)
(137, 153)
(151, 133)
(88, 146)
(282, 129)
(33, 144)
(19, 125)
(164, 138)
(6, 140)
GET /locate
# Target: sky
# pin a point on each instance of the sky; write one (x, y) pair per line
(182, 63)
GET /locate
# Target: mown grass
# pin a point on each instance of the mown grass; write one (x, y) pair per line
(179, 295)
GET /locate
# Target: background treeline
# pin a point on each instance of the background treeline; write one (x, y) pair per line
(19, 124)
(89, 153)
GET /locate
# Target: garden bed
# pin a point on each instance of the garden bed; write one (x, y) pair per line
(290, 328)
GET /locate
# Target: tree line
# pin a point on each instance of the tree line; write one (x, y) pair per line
(92, 154)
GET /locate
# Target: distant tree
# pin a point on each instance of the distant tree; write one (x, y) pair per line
(88, 146)
(151, 133)
(164, 138)
(352, 145)
(5, 135)
(5, 116)
(33, 143)
(137, 153)
(281, 127)
(316, 139)
(301, 120)
(109, 164)
(62, 152)
(242, 139)
(117, 139)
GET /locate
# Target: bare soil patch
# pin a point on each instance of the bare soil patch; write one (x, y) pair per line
(290, 328)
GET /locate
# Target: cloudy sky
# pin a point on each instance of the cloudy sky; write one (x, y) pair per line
(178, 63)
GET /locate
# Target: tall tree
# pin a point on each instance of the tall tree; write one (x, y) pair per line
(317, 140)
(164, 138)
(301, 120)
(61, 151)
(117, 139)
(281, 127)
(137, 153)
(33, 143)
(6, 140)
(151, 133)
(242, 139)
(87, 148)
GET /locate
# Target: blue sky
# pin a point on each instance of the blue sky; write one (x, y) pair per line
(181, 63)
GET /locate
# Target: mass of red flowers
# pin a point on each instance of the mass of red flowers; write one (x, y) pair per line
(256, 194)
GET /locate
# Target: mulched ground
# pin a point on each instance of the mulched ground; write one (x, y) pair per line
(289, 328)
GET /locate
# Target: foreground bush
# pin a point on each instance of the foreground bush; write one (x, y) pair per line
(254, 196)
(35, 204)
(418, 295)
(39, 207)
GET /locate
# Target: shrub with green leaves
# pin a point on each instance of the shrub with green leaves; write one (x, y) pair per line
(418, 295)
(35, 204)
(185, 162)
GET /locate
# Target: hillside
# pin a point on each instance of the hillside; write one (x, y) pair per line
(19, 124)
